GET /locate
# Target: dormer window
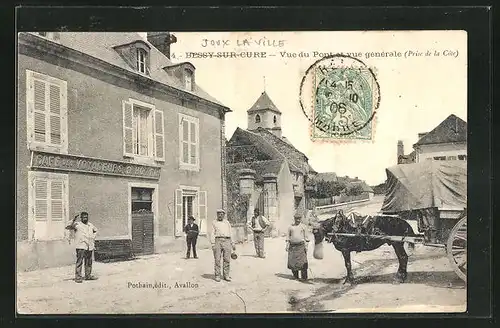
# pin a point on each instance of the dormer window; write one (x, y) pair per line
(188, 79)
(141, 60)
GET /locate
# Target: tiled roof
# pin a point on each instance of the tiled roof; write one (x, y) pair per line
(364, 186)
(292, 154)
(452, 129)
(327, 176)
(264, 102)
(244, 137)
(101, 46)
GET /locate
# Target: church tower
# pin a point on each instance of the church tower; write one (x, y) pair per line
(265, 114)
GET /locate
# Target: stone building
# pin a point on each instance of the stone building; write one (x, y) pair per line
(276, 176)
(109, 125)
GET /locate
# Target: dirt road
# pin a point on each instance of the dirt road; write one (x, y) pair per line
(167, 283)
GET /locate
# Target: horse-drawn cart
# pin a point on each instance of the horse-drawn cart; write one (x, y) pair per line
(434, 195)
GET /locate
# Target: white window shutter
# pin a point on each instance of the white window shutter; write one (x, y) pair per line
(63, 96)
(56, 209)
(178, 212)
(39, 113)
(184, 127)
(41, 200)
(202, 211)
(54, 104)
(30, 107)
(159, 135)
(41, 208)
(193, 137)
(128, 135)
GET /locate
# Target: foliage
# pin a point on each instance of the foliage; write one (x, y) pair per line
(354, 190)
(379, 189)
(237, 203)
(325, 189)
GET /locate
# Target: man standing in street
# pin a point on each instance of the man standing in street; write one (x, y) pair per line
(296, 246)
(222, 244)
(258, 225)
(191, 229)
(85, 233)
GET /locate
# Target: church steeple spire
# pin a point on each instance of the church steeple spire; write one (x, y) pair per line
(265, 114)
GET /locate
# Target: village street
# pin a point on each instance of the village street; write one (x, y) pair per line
(259, 285)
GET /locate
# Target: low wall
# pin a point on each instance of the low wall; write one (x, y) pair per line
(330, 208)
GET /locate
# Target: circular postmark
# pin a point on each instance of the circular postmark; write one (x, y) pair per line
(340, 95)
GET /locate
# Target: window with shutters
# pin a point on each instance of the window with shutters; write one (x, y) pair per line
(190, 201)
(189, 145)
(143, 130)
(48, 205)
(47, 112)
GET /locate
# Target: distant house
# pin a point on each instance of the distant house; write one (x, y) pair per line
(367, 190)
(285, 173)
(447, 141)
(326, 176)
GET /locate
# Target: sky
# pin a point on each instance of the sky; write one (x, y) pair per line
(417, 92)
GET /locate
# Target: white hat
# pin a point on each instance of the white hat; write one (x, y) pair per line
(220, 210)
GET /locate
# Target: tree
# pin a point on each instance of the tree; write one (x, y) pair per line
(326, 189)
(354, 190)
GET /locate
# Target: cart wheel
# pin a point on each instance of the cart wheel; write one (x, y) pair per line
(456, 248)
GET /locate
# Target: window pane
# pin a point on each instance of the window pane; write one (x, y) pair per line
(185, 130)
(136, 130)
(144, 133)
(185, 152)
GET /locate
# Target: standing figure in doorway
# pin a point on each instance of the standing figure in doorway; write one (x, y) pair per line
(222, 243)
(296, 246)
(84, 236)
(258, 225)
(191, 229)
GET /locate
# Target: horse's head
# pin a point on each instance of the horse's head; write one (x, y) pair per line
(338, 221)
(333, 224)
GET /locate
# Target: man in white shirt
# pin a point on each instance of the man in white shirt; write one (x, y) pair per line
(222, 243)
(85, 233)
(258, 225)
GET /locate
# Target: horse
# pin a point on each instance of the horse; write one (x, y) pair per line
(376, 225)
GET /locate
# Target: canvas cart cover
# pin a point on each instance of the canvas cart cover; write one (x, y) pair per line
(441, 184)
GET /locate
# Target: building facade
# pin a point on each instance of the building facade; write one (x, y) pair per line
(284, 177)
(447, 141)
(109, 125)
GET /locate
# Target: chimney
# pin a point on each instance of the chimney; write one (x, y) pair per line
(401, 149)
(162, 41)
(421, 135)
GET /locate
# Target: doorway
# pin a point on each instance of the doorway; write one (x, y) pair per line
(142, 221)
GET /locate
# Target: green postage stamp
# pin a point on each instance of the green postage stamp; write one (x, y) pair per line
(343, 98)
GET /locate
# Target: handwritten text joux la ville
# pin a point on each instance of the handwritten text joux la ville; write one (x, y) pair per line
(246, 42)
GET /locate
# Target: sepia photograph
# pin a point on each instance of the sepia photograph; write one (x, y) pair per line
(175, 172)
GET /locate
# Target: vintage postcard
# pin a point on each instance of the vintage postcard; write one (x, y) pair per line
(241, 172)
